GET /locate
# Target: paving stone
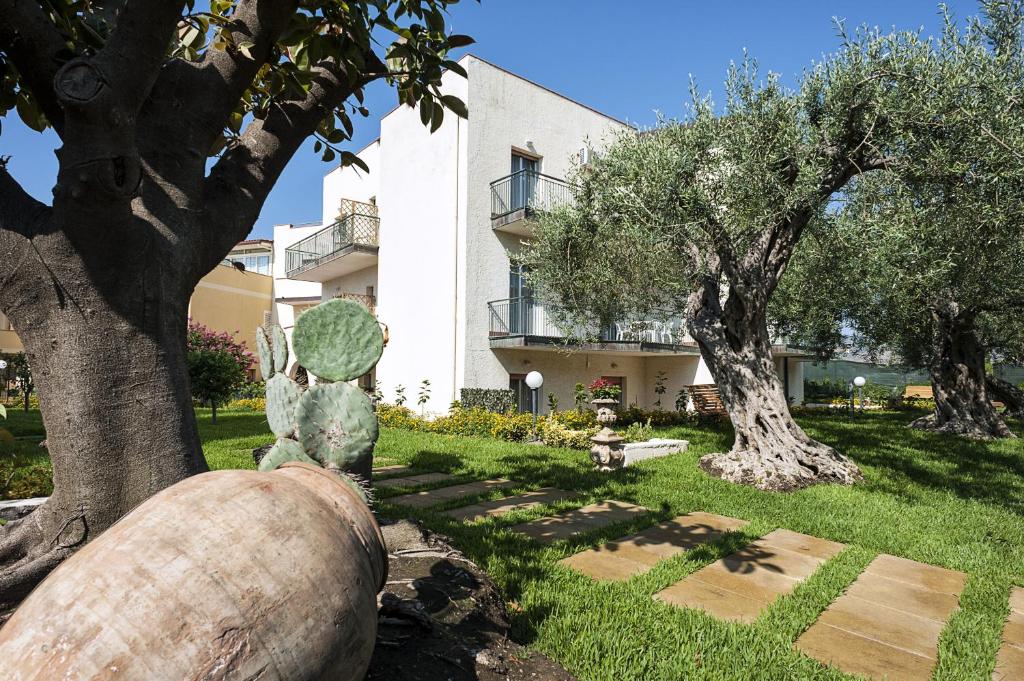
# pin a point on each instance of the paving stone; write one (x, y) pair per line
(637, 553)
(584, 519)
(441, 494)
(919, 574)
(887, 624)
(496, 507)
(1010, 661)
(413, 480)
(393, 469)
(740, 585)
(855, 654)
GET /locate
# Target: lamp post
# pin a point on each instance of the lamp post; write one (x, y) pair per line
(534, 380)
(857, 382)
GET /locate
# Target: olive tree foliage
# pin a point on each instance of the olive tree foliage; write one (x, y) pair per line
(926, 261)
(141, 94)
(701, 216)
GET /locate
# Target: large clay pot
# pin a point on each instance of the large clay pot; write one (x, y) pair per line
(226, 575)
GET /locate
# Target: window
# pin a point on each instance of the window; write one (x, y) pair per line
(524, 180)
(517, 383)
(621, 382)
(520, 304)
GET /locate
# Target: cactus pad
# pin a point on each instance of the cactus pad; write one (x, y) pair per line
(263, 350)
(282, 397)
(282, 451)
(338, 427)
(279, 346)
(338, 340)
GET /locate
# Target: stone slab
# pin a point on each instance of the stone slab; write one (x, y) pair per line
(652, 449)
(1010, 660)
(739, 586)
(867, 657)
(637, 553)
(584, 519)
(887, 624)
(19, 508)
(413, 480)
(391, 470)
(441, 494)
(497, 507)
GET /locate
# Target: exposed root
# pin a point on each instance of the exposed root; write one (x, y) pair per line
(968, 428)
(17, 538)
(788, 469)
(28, 552)
(17, 580)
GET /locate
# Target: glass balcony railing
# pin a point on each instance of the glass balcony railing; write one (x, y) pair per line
(528, 317)
(528, 190)
(355, 229)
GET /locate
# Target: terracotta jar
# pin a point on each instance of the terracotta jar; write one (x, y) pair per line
(226, 575)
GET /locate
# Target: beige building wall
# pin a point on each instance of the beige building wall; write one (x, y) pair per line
(233, 301)
(9, 341)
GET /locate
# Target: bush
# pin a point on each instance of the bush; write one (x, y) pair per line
(248, 403)
(497, 400)
(554, 434)
(576, 419)
(514, 427)
(475, 422)
(251, 390)
(631, 415)
(638, 432)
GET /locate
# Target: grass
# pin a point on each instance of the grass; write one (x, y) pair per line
(931, 498)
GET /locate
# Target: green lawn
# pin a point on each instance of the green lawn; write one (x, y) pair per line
(926, 497)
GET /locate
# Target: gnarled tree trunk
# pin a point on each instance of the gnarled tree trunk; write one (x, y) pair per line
(1007, 393)
(962, 404)
(771, 451)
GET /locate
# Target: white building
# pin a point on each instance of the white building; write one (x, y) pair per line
(425, 240)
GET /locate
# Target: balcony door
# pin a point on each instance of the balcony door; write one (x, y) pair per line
(520, 304)
(524, 180)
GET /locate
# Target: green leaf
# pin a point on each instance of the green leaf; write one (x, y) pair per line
(426, 110)
(437, 118)
(328, 155)
(457, 106)
(459, 41)
(30, 114)
(454, 67)
(350, 159)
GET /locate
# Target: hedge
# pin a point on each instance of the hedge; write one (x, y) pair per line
(496, 400)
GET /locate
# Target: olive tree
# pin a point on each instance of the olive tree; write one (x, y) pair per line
(928, 254)
(701, 216)
(97, 283)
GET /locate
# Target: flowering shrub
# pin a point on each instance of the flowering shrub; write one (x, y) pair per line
(217, 365)
(555, 434)
(575, 419)
(603, 389)
(248, 403)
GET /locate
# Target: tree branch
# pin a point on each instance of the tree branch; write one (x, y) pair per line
(241, 180)
(133, 56)
(35, 47)
(19, 212)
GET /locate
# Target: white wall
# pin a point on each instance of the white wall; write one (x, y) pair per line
(354, 282)
(420, 225)
(352, 182)
(504, 112)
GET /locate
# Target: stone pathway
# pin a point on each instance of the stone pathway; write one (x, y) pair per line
(565, 525)
(1010, 662)
(393, 469)
(439, 495)
(414, 480)
(496, 507)
(887, 624)
(637, 553)
(739, 586)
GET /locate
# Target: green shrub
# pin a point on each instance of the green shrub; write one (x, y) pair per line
(555, 434)
(497, 400)
(251, 390)
(633, 415)
(575, 419)
(475, 422)
(513, 427)
(397, 416)
(638, 432)
(248, 403)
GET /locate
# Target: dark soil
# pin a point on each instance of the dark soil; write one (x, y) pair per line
(442, 618)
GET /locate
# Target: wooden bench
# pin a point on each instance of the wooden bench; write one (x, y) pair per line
(923, 392)
(706, 399)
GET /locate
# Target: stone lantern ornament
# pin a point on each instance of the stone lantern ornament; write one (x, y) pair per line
(608, 452)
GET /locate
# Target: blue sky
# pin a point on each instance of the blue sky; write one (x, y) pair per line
(627, 59)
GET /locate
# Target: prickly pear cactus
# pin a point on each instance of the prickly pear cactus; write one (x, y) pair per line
(338, 340)
(263, 350)
(332, 423)
(282, 397)
(338, 427)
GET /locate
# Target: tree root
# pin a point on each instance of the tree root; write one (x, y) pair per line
(783, 469)
(968, 428)
(28, 554)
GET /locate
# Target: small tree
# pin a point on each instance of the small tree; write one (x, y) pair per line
(659, 387)
(23, 377)
(424, 394)
(399, 395)
(217, 365)
(580, 395)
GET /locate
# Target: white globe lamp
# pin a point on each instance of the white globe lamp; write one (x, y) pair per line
(860, 381)
(534, 380)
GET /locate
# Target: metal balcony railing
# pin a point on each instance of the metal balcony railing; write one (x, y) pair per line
(360, 228)
(528, 190)
(528, 317)
(369, 301)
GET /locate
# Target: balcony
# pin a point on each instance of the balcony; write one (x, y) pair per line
(515, 197)
(346, 246)
(525, 322)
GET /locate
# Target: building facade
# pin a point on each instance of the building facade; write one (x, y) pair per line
(428, 238)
